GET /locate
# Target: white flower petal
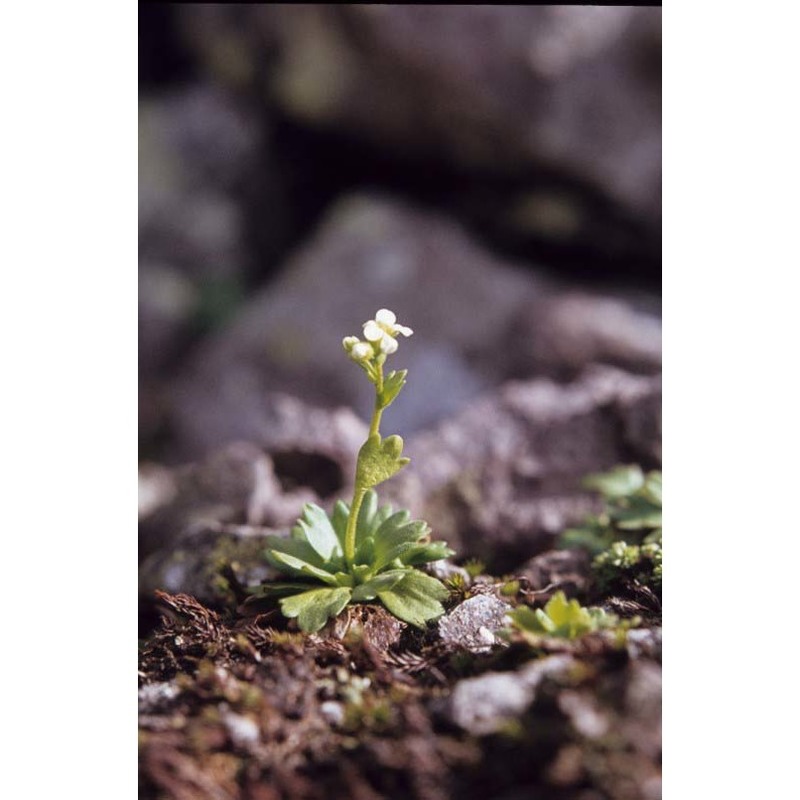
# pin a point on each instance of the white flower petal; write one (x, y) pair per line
(386, 317)
(361, 351)
(403, 329)
(388, 345)
(372, 331)
(348, 342)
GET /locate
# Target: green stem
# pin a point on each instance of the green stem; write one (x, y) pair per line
(358, 490)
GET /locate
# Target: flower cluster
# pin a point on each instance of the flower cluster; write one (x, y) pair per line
(380, 336)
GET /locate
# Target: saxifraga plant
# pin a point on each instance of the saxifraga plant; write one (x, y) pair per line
(625, 538)
(362, 552)
(564, 619)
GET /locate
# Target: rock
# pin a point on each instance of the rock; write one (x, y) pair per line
(235, 486)
(644, 643)
(584, 715)
(198, 149)
(570, 90)
(156, 697)
(567, 570)
(445, 570)
(244, 732)
(472, 624)
(287, 339)
(643, 698)
(500, 480)
(483, 705)
(333, 712)
(192, 565)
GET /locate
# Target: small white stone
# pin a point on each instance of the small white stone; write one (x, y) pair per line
(243, 731)
(332, 711)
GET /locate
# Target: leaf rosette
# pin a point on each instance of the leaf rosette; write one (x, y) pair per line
(389, 546)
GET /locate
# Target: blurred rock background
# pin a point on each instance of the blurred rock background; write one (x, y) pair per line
(490, 173)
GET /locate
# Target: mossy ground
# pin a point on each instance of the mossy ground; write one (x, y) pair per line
(249, 708)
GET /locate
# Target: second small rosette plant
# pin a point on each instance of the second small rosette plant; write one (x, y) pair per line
(362, 552)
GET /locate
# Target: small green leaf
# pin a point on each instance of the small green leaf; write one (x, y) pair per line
(391, 541)
(299, 567)
(563, 618)
(274, 589)
(319, 532)
(366, 515)
(366, 552)
(424, 553)
(383, 513)
(313, 608)
(619, 482)
(415, 598)
(652, 488)
(341, 512)
(380, 583)
(393, 521)
(392, 384)
(638, 515)
(299, 548)
(379, 459)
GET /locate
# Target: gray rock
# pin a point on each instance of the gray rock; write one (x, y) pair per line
(444, 570)
(643, 699)
(197, 149)
(155, 697)
(575, 90)
(235, 486)
(582, 710)
(478, 321)
(244, 732)
(483, 705)
(192, 563)
(472, 624)
(333, 712)
(566, 570)
(500, 480)
(644, 643)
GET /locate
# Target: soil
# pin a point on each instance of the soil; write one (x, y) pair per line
(236, 707)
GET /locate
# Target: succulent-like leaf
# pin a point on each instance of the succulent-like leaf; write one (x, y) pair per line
(380, 583)
(276, 589)
(639, 514)
(319, 532)
(393, 521)
(415, 598)
(341, 513)
(652, 487)
(380, 516)
(563, 618)
(379, 459)
(296, 566)
(366, 515)
(391, 542)
(621, 481)
(299, 548)
(313, 608)
(366, 552)
(424, 553)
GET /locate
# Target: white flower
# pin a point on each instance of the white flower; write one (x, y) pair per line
(357, 350)
(361, 351)
(383, 330)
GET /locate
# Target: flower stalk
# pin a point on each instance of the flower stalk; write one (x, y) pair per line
(380, 336)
